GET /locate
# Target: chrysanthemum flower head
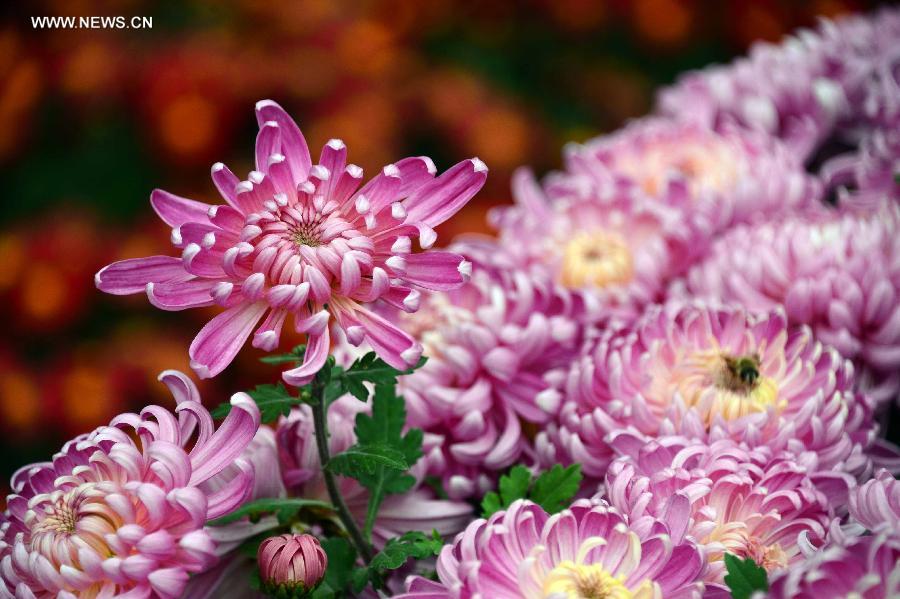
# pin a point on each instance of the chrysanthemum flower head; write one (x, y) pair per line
(301, 471)
(875, 504)
(713, 178)
(838, 274)
(710, 373)
(496, 349)
(756, 503)
(814, 85)
(121, 511)
(588, 550)
(616, 256)
(303, 240)
(867, 566)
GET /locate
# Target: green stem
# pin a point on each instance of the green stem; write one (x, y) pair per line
(343, 512)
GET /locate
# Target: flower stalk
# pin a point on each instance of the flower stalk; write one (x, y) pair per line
(321, 427)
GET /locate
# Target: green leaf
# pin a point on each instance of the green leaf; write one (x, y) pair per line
(295, 357)
(373, 369)
(272, 400)
(512, 486)
(380, 437)
(744, 577)
(554, 489)
(341, 562)
(413, 544)
(359, 460)
(285, 509)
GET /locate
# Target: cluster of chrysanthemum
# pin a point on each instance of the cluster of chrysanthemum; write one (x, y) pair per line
(681, 312)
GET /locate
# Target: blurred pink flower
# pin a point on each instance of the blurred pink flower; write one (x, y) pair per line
(300, 239)
(416, 509)
(756, 503)
(614, 256)
(875, 504)
(495, 352)
(709, 373)
(715, 179)
(291, 563)
(121, 511)
(814, 84)
(838, 274)
(588, 550)
(867, 567)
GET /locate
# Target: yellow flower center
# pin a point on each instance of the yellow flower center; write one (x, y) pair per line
(584, 581)
(717, 384)
(596, 260)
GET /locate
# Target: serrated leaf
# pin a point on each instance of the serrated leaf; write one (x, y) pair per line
(373, 369)
(272, 400)
(513, 485)
(413, 544)
(554, 489)
(360, 460)
(285, 509)
(744, 577)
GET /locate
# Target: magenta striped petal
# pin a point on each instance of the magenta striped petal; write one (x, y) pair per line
(131, 276)
(219, 341)
(175, 210)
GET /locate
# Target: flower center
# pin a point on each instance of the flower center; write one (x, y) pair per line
(596, 260)
(735, 538)
(584, 581)
(717, 385)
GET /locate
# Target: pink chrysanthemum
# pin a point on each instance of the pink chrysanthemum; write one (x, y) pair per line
(840, 275)
(709, 373)
(299, 239)
(875, 504)
(714, 178)
(814, 84)
(616, 255)
(121, 511)
(866, 567)
(750, 503)
(495, 353)
(416, 509)
(870, 171)
(588, 550)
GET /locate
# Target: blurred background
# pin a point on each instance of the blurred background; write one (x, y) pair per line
(92, 120)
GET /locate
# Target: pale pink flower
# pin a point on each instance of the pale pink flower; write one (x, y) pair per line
(838, 274)
(615, 255)
(715, 179)
(710, 373)
(757, 503)
(416, 509)
(121, 511)
(866, 567)
(875, 504)
(813, 86)
(297, 239)
(588, 550)
(495, 350)
(291, 562)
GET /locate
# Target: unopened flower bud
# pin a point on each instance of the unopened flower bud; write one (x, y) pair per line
(290, 565)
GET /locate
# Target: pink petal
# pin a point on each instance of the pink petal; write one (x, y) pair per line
(131, 276)
(439, 199)
(175, 210)
(228, 442)
(317, 347)
(293, 144)
(179, 296)
(219, 341)
(438, 271)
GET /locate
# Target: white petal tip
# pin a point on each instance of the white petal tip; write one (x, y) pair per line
(429, 165)
(217, 167)
(411, 354)
(479, 165)
(336, 144)
(270, 124)
(465, 269)
(202, 370)
(391, 170)
(265, 103)
(354, 171)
